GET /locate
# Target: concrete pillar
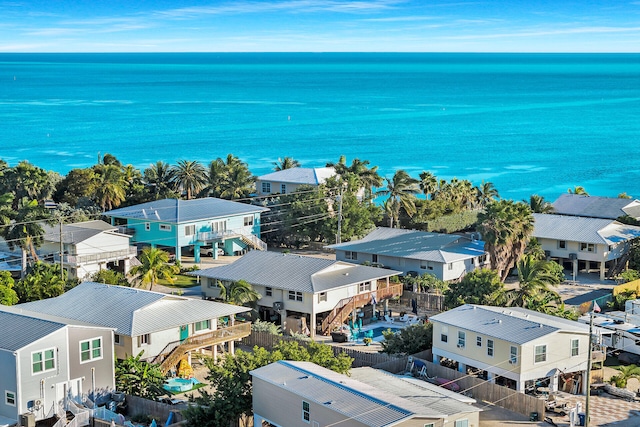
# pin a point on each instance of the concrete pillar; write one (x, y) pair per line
(520, 386)
(231, 347)
(312, 326)
(584, 382)
(189, 358)
(601, 270)
(214, 353)
(177, 252)
(196, 253)
(575, 269)
(587, 266)
(127, 266)
(462, 367)
(386, 306)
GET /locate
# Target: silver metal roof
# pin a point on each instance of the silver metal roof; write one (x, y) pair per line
(79, 231)
(178, 211)
(593, 206)
(20, 330)
(130, 311)
(311, 176)
(512, 324)
(582, 229)
(353, 399)
(294, 272)
(414, 244)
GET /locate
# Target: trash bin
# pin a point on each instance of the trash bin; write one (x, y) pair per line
(581, 418)
(533, 416)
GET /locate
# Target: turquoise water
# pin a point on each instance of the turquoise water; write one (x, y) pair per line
(530, 123)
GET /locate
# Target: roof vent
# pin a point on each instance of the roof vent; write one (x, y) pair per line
(500, 321)
(346, 274)
(540, 325)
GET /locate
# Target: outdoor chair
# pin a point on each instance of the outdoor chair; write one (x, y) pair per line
(389, 318)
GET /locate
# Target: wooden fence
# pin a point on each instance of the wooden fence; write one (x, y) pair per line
(426, 301)
(156, 410)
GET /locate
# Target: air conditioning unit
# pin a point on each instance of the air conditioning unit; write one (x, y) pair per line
(512, 362)
(460, 346)
(547, 253)
(573, 256)
(28, 420)
(278, 305)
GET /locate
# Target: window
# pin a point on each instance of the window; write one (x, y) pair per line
(305, 412)
(144, 339)
(364, 287)
(479, 341)
(428, 265)
(482, 259)
(429, 425)
(43, 361)
(540, 354)
(165, 227)
(266, 187)
(269, 292)
(444, 337)
(513, 355)
(189, 230)
(295, 296)
(462, 338)
(147, 226)
(10, 398)
(461, 423)
(200, 326)
(490, 348)
(450, 266)
(350, 255)
(91, 350)
(587, 247)
(283, 188)
(218, 226)
(562, 244)
(374, 258)
(248, 221)
(117, 339)
(322, 297)
(575, 347)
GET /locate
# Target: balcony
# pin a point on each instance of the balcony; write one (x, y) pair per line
(101, 257)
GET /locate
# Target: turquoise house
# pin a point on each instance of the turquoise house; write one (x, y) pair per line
(175, 224)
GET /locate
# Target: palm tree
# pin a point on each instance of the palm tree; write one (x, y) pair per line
(539, 205)
(365, 178)
(159, 177)
(239, 293)
(238, 181)
(624, 196)
(401, 190)
(190, 176)
(486, 193)
(428, 184)
(578, 189)
(154, 266)
(506, 227)
(110, 187)
(286, 163)
(534, 279)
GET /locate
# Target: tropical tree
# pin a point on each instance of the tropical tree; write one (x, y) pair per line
(239, 293)
(8, 295)
(238, 183)
(401, 190)
(154, 265)
(189, 176)
(138, 378)
(28, 181)
(410, 340)
(426, 282)
(357, 176)
(506, 227)
(286, 163)
(538, 204)
(478, 287)
(110, 187)
(486, 193)
(428, 184)
(578, 189)
(41, 282)
(535, 277)
(77, 184)
(624, 196)
(159, 179)
(626, 372)
(110, 277)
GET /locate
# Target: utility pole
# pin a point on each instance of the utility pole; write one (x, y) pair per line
(588, 380)
(338, 235)
(61, 252)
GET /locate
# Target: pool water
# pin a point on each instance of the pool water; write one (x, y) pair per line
(180, 384)
(377, 332)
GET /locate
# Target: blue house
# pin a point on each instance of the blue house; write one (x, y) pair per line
(175, 224)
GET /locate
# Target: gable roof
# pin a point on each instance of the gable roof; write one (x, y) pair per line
(582, 229)
(177, 211)
(294, 272)
(511, 324)
(130, 311)
(595, 207)
(311, 176)
(79, 231)
(19, 330)
(414, 244)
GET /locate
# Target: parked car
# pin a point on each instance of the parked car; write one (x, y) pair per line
(208, 251)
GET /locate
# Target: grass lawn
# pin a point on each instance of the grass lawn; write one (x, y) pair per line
(181, 281)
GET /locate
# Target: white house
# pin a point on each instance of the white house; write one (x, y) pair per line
(512, 346)
(296, 290)
(290, 394)
(596, 207)
(288, 180)
(47, 360)
(446, 256)
(164, 327)
(584, 244)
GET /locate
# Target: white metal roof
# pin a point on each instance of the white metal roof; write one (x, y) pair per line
(19, 330)
(130, 311)
(582, 229)
(311, 176)
(594, 206)
(294, 272)
(79, 231)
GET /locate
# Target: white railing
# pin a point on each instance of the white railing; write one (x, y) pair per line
(131, 251)
(228, 234)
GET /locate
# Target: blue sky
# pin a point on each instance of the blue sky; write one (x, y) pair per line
(319, 26)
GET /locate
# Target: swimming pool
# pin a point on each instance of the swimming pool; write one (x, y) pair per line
(180, 384)
(377, 332)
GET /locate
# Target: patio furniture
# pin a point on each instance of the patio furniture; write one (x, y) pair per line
(389, 318)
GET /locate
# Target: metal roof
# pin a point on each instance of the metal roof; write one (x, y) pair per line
(311, 176)
(130, 311)
(79, 231)
(19, 330)
(593, 206)
(351, 398)
(414, 244)
(178, 211)
(512, 324)
(582, 229)
(294, 272)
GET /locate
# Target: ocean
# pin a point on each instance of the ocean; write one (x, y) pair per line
(529, 123)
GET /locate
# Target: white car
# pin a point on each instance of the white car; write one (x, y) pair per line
(208, 251)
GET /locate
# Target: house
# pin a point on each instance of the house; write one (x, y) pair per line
(164, 327)
(584, 244)
(177, 224)
(290, 394)
(288, 180)
(301, 292)
(46, 360)
(513, 346)
(447, 256)
(87, 248)
(596, 207)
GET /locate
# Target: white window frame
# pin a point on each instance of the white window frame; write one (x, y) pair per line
(248, 221)
(268, 291)
(513, 355)
(7, 399)
(283, 188)
(562, 244)
(444, 337)
(218, 226)
(322, 297)
(266, 187)
(306, 412)
(490, 349)
(575, 347)
(462, 339)
(91, 349)
(189, 230)
(165, 227)
(350, 255)
(478, 341)
(450, 266)
(543, 354)
(147, 226)
(364, 287)
(374, 258)
(588, 247)
(429, 425)
(461, 423)
(117, 339)
(43, 361)
(295, 296)
(197, 326)
(144, 339)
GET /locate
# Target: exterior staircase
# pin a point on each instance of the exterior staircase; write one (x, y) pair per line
(619, 265)
(345, 306)
(254, 242)
(219, 336)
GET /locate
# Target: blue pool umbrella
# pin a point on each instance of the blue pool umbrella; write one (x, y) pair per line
(169, 419)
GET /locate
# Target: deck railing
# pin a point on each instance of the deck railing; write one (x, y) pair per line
(110, 256)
